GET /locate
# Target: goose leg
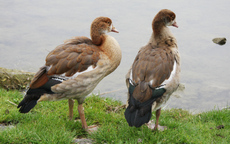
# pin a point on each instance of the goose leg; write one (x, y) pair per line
(158, 113)
(89, 129)
(157, 126)
(71, 104)
(82, 116)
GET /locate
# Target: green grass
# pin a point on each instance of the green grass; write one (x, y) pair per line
(48, 123)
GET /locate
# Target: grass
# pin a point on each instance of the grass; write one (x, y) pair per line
(48, 123)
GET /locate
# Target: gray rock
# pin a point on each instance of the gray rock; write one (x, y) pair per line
(220, 41)
(83, 141)
(4, 127)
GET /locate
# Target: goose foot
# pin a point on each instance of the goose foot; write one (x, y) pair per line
(92, 128)
(151, 125)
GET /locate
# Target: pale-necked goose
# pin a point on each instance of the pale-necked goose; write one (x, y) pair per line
(154, 74)
(74, 69)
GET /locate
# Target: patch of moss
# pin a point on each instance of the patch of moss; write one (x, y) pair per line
(14, 79)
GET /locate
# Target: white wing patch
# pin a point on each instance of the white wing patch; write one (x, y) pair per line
(79, 73)
(164, 82)
(58, 79)
(62, 77)
(130, 78)
(171, 75)
(169, 79)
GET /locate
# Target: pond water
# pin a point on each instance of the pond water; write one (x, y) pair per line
(30, 29)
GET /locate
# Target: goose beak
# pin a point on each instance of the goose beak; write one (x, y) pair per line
(175, 24)
(114, 30)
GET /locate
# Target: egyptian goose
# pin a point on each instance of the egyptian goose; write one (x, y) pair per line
(154, 74)
(74, 69)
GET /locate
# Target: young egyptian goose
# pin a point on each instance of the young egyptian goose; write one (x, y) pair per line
(74, 69)
(154, 74)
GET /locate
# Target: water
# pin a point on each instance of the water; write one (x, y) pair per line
(30, 29)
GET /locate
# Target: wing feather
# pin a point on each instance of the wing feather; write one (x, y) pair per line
(151, 67)
(76, 55)
(72, 57)
(40, 78)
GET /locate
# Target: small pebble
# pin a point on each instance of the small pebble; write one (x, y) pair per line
(220, 41)
(220, 127)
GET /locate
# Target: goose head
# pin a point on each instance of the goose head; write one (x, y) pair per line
(169, 18)
(166, 17)
(163, 19)
(100, 26)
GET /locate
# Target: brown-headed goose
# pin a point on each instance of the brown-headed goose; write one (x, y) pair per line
(154, 74)
(74, 69)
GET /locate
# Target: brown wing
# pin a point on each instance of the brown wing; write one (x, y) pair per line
(40, 78)
(71, 57)
(76, 55)
(151, 67)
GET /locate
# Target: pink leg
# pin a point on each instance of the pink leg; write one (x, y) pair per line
(82, 116)
(158, 113)
(71, 104)
(155, 126)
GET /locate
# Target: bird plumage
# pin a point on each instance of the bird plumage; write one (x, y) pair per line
(74, 69)
(154, 74)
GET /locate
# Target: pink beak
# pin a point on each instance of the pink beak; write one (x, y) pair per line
(114, 30)
(175, 24)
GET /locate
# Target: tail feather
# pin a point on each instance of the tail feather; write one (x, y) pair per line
(26, 107)
(138, 113)
(33, 95)
(30, 100)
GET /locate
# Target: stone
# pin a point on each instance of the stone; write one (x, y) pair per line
(5, 127)
(220, 127)
(83, 141)
(220, 41)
